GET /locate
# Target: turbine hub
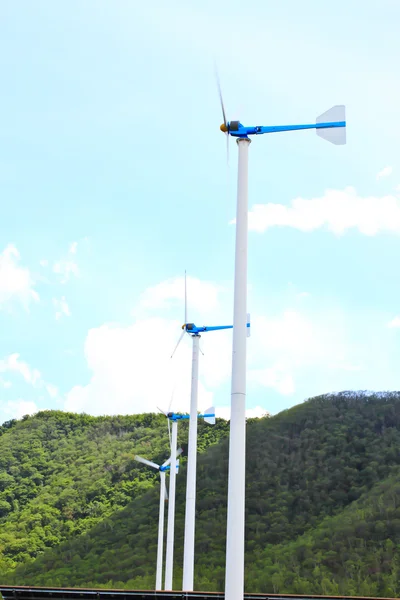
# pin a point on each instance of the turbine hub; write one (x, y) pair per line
(224, 128)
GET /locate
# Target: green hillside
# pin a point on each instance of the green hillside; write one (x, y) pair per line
(323, 483)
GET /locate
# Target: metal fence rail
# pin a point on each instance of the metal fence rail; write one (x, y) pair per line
(38, 593)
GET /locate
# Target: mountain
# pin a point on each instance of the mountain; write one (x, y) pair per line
(322, 499)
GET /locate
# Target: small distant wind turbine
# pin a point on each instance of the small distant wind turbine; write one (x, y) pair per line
(209, 417)
(163, 496)
(331, 126)
(190, 507)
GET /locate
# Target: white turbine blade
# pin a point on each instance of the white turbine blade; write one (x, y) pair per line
(166, 463)
(249, 327)
(210, 411)
(149, 463)
(170, 402)
(185, 302)
(220, 93)
(335, 135)
(179, 341)
(166, 490)
(201, 349)
(177, 466)
(162, 411)
(178, 453)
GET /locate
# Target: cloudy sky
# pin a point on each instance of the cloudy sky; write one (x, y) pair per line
(114, 180)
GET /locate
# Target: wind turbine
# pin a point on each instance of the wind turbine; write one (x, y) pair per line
(331, 126)
(209, 417)
(162, 469)
(190, 507)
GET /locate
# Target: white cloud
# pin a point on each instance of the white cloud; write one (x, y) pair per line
(62, 308)
(13, 364)
(337, 210)
(282, 345)
(51, 390)
(132, 371)
(395, 322)
(131, 366)
(44, 262)
(67, 267)
(275, 377)
(386, 171)
(5, 383)
(16, 282)
(201, 295)
(19, 408)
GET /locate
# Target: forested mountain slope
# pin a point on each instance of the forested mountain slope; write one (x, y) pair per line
(323, 482)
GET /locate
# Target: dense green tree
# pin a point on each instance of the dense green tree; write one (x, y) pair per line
(322, 499)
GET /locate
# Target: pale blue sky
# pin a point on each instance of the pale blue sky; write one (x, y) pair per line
(113, 180)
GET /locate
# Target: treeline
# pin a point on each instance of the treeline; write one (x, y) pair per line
(323, 485)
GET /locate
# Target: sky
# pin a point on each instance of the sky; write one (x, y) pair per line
(114, 180)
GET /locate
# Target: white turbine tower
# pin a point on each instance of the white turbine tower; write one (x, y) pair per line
(209, 417)
(331, 126)
(190, 507)
(163, 496)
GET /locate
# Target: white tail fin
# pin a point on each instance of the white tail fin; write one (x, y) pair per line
(248, 323)
(210, 411)
(335, 135)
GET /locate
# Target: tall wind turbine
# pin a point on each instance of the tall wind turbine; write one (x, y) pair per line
(163, 496)
(331, 126)
(190, 507)
(209, 417)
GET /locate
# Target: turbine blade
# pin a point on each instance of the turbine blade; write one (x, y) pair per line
(177, 466)
(178, 453)
(185, 303)
(166, 463)
(149, 463)
(220, 95)
(170, 402)
(162, 411)
(179, 341)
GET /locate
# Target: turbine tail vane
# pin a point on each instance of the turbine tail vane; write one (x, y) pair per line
(335, 135)
(209, 415)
